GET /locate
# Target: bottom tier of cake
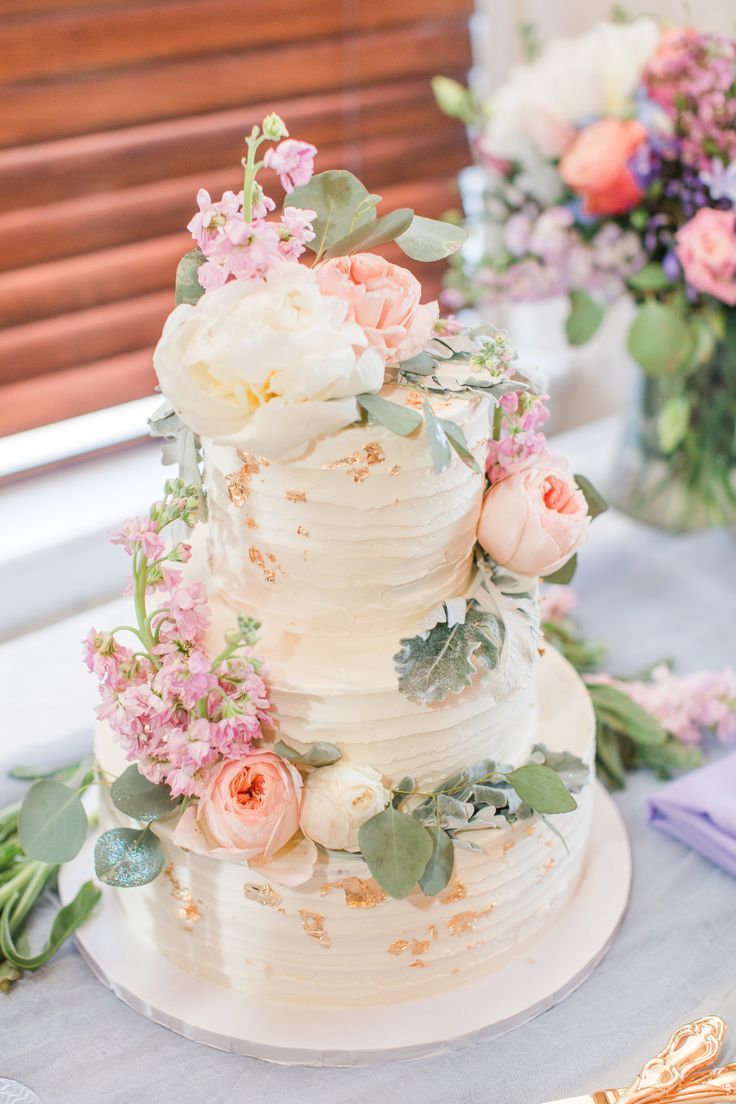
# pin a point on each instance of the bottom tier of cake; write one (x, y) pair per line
(338, 939)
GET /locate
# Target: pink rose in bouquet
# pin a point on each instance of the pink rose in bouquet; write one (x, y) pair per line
(596, 165)
(533, 521)
(383, 299)
(706, 249)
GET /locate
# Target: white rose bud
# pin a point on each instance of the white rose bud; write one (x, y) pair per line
(337, 800)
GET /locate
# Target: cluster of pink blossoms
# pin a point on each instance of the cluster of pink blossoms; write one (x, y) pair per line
(521, 439)
(688, 706)
(235, 234)
(692, 76)
(176, 711)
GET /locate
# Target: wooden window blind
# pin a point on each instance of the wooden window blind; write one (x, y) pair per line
(114, 112)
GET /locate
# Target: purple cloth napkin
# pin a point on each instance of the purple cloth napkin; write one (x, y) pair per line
(699, 809)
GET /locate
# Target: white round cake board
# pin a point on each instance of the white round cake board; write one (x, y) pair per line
(548, 971)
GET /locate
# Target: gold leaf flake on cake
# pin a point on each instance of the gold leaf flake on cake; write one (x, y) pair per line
(295, 496)
(398, 946)
(507, 846)
(419, 946)
(238, 482)
(270, 576)
(188, 910)
(415, 400)
(251, 522)
(256, 557)
(395, 470)
(360, 893)
(417, 963)
(263, 895)
(433, 931)
(374, 454)
(359, 474)
(314, 926)
(344, 461)
(457, 892)
(301, 531)
(464, 922)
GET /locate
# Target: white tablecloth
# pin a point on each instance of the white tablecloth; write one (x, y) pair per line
(649, 595)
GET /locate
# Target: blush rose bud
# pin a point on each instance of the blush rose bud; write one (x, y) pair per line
(337, 801)
(532, 522)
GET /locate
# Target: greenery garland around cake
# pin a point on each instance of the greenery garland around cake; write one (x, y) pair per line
(268, 353)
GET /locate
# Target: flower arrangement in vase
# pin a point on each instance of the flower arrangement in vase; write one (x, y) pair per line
(611, 170)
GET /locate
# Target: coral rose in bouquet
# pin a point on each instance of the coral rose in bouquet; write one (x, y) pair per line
(610, 161)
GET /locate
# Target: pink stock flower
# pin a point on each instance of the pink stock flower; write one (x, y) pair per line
(189, 612)
(185, 679)
(293, 161)
(383, 299)
(295, 231)
(557, 603)
(140, 533)
(209, 224)
(706, 249)
(533, 521)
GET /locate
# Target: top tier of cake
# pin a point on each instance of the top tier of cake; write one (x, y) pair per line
(359, 536)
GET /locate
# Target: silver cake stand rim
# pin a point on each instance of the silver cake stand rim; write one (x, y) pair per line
(547, 972)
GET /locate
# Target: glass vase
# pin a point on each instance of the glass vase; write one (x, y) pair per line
(677, 465)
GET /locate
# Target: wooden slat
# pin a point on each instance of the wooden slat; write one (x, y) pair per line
(25, 404)
(76, 105)
(88, 223)
(78, 283)
(73, 339)
(113, 37)
(52, 171)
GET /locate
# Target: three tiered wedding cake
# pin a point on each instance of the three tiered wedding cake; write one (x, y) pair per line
(332, 710)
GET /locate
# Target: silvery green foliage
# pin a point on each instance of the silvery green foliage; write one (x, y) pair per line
(443, 659)
(512, 600)
(181, 447)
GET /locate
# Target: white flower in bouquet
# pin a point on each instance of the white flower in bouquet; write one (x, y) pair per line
(266, 364)
(337, 801)
(534, 115)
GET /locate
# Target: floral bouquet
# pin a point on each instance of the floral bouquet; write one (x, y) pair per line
(611, 166)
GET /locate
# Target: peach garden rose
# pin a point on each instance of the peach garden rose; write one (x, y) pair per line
(383, 298)
(595, 165)
(533, 521)
(250, 812)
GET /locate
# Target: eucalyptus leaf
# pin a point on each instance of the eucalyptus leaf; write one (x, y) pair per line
(437, 663)
(453, 98)
(188, 288)
(431, 239)
(439, 446)
(404, 789)
(441, 862)
(572, 771)
(616, 709)
(397, 419)
(541, 789)
(66, 921)
(651, 277)
(342, 204)
(597, 504)
(660, 339)
(128, 857)
(373, 233)
(52, 822)
(318, 754)
(673, 422)
(396, 849)
(564, 574)
(456, 437)
(584, 319)
(140, 799)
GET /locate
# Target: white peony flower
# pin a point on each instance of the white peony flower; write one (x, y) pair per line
(267, 365)
(534, 114)
(337, 801)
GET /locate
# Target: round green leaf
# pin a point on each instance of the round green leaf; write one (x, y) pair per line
(565, 574)
(595, 501)
(52, 823)
(140, 799)
(441, 863)
(397, 849)
(394, 417)
(128, 857)
(370, 234)
(651, 277)
(584, 319)
(342, 204)
(541, 789)
(660, 339)
(431, 239)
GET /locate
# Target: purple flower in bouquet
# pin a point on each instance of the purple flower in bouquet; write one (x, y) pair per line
(720, 179)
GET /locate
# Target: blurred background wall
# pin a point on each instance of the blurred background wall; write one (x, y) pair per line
(114, 112)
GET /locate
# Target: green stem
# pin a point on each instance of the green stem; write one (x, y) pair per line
(17, 883)
(253, 142)
(33, 890)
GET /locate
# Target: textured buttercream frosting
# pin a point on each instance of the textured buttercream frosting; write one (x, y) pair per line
(339, 939)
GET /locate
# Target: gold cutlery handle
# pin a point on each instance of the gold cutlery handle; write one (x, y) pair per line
(691, 1050)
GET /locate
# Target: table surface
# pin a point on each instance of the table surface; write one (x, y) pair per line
(649, 595)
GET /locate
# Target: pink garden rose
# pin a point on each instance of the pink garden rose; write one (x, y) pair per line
(533, 521)
(383, 299)
(706, 248)
(249, 812)
(595, 165)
